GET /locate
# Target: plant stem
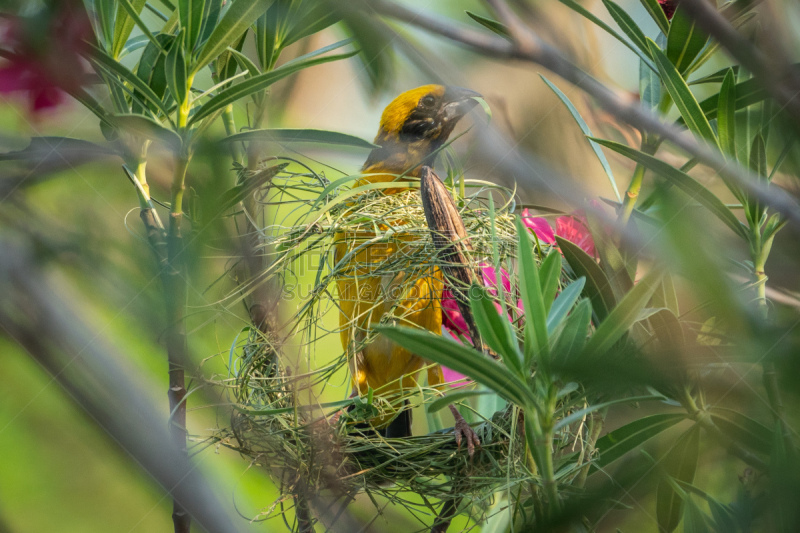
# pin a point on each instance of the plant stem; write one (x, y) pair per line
(704, 420)
(596, 423)
(175, 288)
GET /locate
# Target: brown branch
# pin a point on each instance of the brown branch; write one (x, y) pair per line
(625, 109)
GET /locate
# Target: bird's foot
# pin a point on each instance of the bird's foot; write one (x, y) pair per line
(463, 431)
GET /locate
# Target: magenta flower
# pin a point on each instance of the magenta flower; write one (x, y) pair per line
(570, 227)
(668, 6)
(43, 54)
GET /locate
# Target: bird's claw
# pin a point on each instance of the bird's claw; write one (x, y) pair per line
(463, 431)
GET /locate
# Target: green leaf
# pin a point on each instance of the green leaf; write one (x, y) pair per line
(116, 69)
(496, 330)
(681, 464)
(492, 25)
(549, 275)
(175, 70)
(211, 12)
(261, 82)
(564, 303)
(657, 13)
(694, 520)
(627, 25)
(572, 337)
(685, 182)
(684, 41)
(287, 135)
(577, 415)
(587, 132)
(453, 397)
(667, 329)
(624, 315)
(190, 13)
(151, 71)
(127, 17)
(748, 92)
(106, 11)
(462, 359)
(631, 436)
(576, 7)
(236, 20)
(649, 85)
(743, 429)
(684, 100)
(665, 296)
(597, 288)
(758, 164)
(147, 128)
(531, 291)
(726, 115)
(716, 77)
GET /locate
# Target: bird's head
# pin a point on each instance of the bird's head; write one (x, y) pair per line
(416, 124)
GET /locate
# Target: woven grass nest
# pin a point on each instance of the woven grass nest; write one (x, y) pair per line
(326, 446)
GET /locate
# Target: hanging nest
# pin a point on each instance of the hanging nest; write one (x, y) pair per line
(312, 446)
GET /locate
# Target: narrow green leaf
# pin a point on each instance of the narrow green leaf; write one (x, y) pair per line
(462, 359)
(743, 429)
(667, 329)
(716, 77)
(564, 303)
(496, 330)
(684, 100)
(236, 20)
(724, 518)
(587, 132)
(492, 25)
(102, 59)
(694, 520)
(152, 72)
(549, 276)
(649, 85)
(726, 115)
(190, 13)
(629, 437)
(597, 288)
(684, 40)
(572, 337)
(147, 128)
(127, 17)
(287, 135)
(260, 82)
(685, 182)
(453, 397)
(531, 291)
(211, 13)
(681, 464)
(576, 7)
(748, 92)
(657, 13)
(758, 164)
(577, 415)
(627, 25)
(106, 12)
(175, 69)
(624, 315)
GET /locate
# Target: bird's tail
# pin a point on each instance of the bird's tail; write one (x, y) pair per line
(400, 427)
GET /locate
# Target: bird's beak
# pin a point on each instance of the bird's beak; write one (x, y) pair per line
(459, 102)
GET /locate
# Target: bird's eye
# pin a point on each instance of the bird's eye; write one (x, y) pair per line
(428, 101)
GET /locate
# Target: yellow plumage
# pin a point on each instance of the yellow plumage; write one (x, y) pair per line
(412, 127)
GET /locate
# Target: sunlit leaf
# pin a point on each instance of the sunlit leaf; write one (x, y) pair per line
(563, 304)
(684, 40)
(549, 276)
(657, 13)
(462, 359)
(497, 27)
(496, 330)
(531, 291)
(624, 315)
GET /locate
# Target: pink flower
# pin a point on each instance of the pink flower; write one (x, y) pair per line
(668, 6)
(43, 54)
(452, 319)
(573, 228)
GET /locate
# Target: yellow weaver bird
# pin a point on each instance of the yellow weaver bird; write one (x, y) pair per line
(414, 126)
